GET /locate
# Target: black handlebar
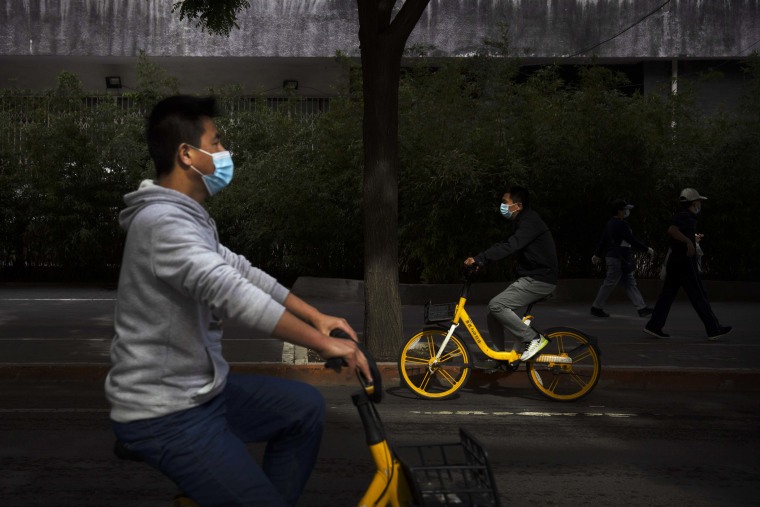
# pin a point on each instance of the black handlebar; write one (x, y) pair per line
(471, 270)
(468, 274)
(335, 363)
(373, 388)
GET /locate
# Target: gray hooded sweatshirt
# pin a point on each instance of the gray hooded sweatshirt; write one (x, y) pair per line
(177, 283)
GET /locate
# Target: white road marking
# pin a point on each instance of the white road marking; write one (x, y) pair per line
(522, 414)
(23, 339)
(57, 299)
(417, 412)
(54, 410)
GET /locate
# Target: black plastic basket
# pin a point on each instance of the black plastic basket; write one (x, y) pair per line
(457, 474)
(439, 313)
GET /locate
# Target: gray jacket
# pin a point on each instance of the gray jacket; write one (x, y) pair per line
(176, 284)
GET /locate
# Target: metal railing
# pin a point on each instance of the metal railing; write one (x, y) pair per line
(18, 111)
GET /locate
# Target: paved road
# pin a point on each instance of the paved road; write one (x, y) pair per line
(73, 326)
(685, 448)
(613, 448)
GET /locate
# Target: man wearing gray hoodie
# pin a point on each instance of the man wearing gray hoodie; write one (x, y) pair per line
(173, 402)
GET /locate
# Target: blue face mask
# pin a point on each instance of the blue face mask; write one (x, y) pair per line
(223, 169)
(504, 210)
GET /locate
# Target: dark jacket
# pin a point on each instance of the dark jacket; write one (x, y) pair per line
(686, 222)
(617, 240)
(533, 243)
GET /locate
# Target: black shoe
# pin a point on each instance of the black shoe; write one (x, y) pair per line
(722, 331)
(646, 311)
(598, 312)
(657, 333)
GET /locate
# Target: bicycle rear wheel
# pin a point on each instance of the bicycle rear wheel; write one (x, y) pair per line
(568, 368)
(428, 378)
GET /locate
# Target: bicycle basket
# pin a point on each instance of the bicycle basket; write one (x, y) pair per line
(439, 313)
(457, 474)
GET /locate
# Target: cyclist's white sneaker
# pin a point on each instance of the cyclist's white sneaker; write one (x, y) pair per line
(534, 347)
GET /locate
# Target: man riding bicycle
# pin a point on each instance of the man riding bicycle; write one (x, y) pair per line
(537, 269)
(173, 402)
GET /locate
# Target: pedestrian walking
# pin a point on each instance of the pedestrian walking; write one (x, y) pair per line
(616, 244)
(681, 270)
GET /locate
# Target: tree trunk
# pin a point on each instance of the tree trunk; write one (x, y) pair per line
(383, 328)
(382, 39)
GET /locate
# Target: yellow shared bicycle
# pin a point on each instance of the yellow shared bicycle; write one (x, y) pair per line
(436, 362)
(452, 474)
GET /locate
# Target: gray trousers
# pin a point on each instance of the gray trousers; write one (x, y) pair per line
(503, 322)
(615, 277)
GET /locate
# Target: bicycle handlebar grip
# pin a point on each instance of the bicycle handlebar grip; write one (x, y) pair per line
(335, 363)
(372, 388)
(339, 333)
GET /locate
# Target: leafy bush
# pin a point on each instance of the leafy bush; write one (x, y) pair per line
(469, 128)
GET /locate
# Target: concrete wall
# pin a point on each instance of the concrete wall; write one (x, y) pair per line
(317, 28)
(297, 39)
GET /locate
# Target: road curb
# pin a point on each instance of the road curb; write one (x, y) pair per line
(613, 377)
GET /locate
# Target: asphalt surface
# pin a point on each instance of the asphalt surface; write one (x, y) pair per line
(615, 447)
(64, 333)
(695, 447)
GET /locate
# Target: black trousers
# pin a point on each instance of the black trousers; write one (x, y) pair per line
(681, 271)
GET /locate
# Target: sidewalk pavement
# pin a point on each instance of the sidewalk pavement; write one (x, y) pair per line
(630, 358)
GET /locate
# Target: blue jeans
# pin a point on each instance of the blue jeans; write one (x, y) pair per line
(203, 449)
(615, 277)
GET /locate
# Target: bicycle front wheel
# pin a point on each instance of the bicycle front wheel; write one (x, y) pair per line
(430, 378)
(568, 368)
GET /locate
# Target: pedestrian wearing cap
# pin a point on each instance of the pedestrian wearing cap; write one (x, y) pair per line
(616, 245)
(681, 270)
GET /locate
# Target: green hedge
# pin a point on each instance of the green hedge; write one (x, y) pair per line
(469, 128)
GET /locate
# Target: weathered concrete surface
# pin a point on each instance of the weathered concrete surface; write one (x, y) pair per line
(317, 28)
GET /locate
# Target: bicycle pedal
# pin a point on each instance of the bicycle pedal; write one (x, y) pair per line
(491, 367)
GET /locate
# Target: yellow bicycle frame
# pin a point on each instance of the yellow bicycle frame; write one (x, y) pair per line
(461, 315)
(388, 486)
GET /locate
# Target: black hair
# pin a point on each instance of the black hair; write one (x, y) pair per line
(173, 121)
(617, 205)
(521, 195)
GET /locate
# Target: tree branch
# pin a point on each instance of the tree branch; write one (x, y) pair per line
(216, 16)
(407, 18)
